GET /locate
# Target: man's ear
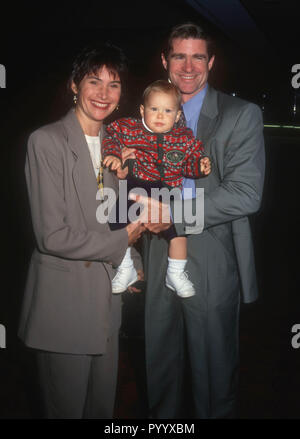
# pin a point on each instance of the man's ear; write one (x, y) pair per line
(142, 110)
(211, 62)
(164, 61)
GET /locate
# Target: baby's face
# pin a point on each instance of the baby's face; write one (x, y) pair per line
(160, 111)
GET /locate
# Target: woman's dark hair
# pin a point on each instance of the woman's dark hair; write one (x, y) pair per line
(91, 59)
(185, 31)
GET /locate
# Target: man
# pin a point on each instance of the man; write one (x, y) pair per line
(220, 254)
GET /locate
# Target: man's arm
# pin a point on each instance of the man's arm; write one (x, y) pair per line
(194, 154)
(240, 191)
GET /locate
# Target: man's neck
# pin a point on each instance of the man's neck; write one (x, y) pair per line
(186, 97)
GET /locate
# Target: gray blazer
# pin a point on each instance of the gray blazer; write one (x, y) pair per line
(232, 134)
(68, 306)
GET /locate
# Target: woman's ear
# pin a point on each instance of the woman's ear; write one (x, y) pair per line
(74, 88)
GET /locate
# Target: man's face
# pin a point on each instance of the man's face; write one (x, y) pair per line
(188, 65)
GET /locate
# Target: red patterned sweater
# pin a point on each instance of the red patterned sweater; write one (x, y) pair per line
(166, 157)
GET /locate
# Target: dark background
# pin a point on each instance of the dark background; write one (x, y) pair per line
(257, 46)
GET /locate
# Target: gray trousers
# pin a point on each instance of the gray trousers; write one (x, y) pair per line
(205, 327)
(79, 386)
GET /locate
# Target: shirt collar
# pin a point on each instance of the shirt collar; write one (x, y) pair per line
(148, 129)
(144, 123)
(194, 104)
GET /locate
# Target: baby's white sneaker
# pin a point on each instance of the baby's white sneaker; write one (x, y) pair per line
(179, 282)
(126, 274)
(125, 277)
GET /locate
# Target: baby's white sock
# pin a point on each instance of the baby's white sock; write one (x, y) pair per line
(176, 265)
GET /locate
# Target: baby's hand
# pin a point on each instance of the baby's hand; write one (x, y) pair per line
(112, 162)
(205, 165)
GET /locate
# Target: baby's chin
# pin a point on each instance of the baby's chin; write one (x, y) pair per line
(160, 130)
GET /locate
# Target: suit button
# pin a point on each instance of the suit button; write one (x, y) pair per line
(87, 264)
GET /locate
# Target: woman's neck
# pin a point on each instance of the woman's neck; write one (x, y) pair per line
(89, 127)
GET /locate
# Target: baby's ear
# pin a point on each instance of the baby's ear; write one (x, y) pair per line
(142, 110)
(178, 115)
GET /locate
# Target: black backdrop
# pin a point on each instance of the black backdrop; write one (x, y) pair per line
(37, 47)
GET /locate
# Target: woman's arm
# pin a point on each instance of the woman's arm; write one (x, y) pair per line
(44, 171)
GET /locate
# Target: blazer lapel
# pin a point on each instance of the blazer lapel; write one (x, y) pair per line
(208, 117)
(109, 178)
(83, 172)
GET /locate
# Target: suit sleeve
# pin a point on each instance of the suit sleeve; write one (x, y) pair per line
(194, 153)
(44, 170)
(240, 191)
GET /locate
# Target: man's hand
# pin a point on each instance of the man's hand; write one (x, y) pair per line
(155, 215)
(134, 231)
(205, 165)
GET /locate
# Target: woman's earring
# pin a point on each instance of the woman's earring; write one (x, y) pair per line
(117, 107)
(75, 99)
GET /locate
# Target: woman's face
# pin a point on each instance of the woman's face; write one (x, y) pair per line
(97, 97)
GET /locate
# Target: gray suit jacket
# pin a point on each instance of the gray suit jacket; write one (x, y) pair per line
(232, 133)
(68, 306)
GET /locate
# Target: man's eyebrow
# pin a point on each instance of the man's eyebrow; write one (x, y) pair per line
(177, 54)
(174, 54)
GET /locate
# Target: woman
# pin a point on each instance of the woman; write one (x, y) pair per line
(69, 314)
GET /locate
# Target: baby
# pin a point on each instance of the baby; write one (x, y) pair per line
(165, 154)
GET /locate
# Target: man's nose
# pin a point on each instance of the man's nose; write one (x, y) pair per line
(188, 65)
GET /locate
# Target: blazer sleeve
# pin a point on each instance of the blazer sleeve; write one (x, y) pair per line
(240, 191)
(194, 154)
(44, 170)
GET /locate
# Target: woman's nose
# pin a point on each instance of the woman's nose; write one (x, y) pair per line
(102, 91)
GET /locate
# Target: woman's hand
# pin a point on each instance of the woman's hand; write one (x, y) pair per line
(112, 162)
(155, 215)
(135, 231)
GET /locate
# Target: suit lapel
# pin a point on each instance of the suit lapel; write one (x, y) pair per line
(83, 172)
(208, 116)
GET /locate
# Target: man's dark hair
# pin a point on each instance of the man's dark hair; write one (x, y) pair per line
(90, 60)
(185, 31)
